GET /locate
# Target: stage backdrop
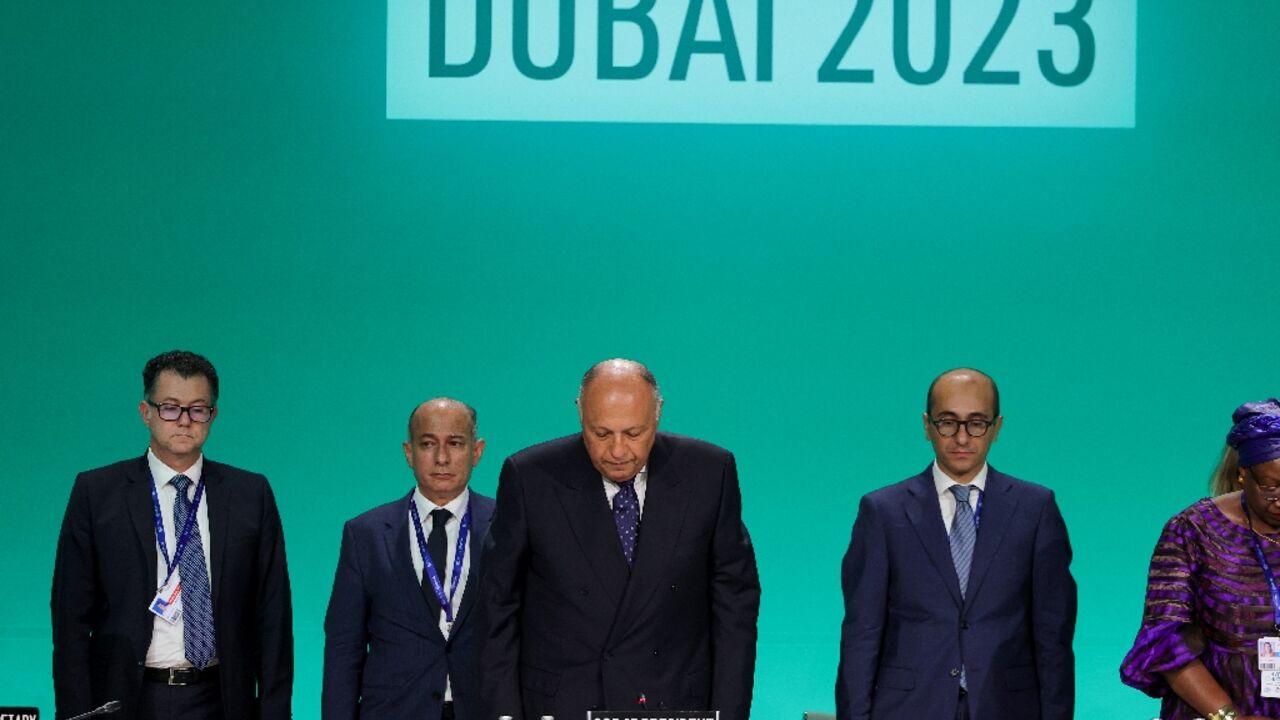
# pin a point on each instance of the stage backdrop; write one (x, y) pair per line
(224, 178)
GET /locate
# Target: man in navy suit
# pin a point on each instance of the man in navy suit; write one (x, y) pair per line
(173, 515)
(399, 638)
(619, 574)
(959, 600)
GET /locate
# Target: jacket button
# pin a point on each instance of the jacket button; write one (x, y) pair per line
(955, 672)
(675, 588)
(584, 592)
(964, 626)
(655, 653)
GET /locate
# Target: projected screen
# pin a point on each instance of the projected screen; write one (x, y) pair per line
(857, 62)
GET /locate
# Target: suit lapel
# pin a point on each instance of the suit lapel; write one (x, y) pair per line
(142, 514)
(998, 507)
(396, 536)
(925, 513)
(218, 508)
(581, 496)
(481, 512)
(665, 503)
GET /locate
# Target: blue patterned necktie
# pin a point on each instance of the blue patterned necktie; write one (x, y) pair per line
(626, 515)
(197, 606)
(964, 534)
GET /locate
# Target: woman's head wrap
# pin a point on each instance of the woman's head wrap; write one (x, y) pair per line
(1256, 433)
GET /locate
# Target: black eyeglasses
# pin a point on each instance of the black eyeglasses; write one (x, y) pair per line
(169, 411)
(975, 427)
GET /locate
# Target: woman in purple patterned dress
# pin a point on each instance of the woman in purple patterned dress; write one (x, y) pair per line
(1209, 602)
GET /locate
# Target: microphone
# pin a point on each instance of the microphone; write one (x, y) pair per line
(106, 709)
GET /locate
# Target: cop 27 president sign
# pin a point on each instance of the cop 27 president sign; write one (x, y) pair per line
(1065, 63)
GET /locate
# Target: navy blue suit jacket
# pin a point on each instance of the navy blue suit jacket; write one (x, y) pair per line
(570, 627)
(104, 578)
(907, 630)
(384, 654)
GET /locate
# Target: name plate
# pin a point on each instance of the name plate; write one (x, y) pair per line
(1066, 63)
(19, 713)
(653, 715)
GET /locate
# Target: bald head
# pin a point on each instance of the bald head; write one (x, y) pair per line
(961, 377)
(619, 369)
(619, 406)
(441, 404)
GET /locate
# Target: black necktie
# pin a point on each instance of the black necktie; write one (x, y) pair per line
(437, 545)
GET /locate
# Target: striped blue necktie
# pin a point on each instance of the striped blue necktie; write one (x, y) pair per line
(964, 534)
(197, 606)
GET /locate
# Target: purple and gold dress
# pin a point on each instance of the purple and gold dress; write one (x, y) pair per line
(1206, 598)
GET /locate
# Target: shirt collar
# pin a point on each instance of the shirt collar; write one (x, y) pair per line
(161, 473)
(641, 477)
(942, 482)
(456, 506)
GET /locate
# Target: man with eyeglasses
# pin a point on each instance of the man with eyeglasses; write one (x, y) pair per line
(959, 600)
(170, 588)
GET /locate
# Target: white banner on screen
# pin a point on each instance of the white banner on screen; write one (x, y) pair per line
(1053, 63)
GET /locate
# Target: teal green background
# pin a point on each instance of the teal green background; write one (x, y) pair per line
(222, 178)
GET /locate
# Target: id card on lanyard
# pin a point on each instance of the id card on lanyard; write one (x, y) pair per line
(167, 603)
(1268, 647)
(429, 568)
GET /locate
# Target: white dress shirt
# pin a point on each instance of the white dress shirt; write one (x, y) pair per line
(458, 507)
(942, 482)
(167, 649)
(641, 482)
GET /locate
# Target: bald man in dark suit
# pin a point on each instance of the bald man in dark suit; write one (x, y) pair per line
(391, 649)
(959, 600)
(618, 573)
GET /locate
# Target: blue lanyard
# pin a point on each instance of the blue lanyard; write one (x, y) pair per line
(183, 535)
(429, 568)
(1267, 572)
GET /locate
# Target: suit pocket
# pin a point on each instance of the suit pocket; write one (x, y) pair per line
(696, 536)
(1022, 677)
(894, 677)
(389, 681)
(697, 691)
(543, 682)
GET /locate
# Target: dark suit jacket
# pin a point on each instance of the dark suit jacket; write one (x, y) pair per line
(570, 627)
(105, 576)
(907, 632)
(384, 655)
